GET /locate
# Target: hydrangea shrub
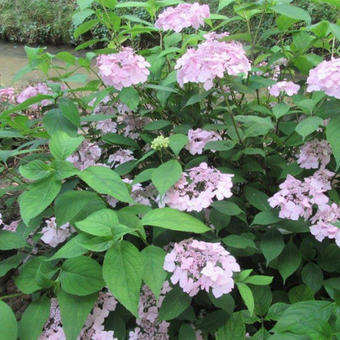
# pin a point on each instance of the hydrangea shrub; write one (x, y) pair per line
(188, 190)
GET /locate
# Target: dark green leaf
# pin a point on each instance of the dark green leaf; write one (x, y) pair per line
(8, 324)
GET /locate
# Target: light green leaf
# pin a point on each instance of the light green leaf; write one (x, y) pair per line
(34, 318)
(247, 296)
(35, 170)
(332, 134)
(74, 312)
(280, 110)
(38, 198)
(223, 3)
(259, 280)
(116, 139)
(107, 182)
(308, 126)
(122, 271)
(10, 240)
(178, 142)
(293, 12)
(234, 329)
(153, 273)
(8, 324)
(130, 97)
(166, 175)
(289, 261)
(62, 145)
(9, 263)
(81, 276)
(173, 219)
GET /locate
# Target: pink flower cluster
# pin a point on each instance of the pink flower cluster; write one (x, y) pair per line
(123, 69)
(53, 235)
(325, 77)
(198, 187)
(314, 154)
(323, 223)
(7, 95)
(182, 16)
(211, 59)
(32, 91)
(9, 227)
(94, 325)
(120, 157)
(288, 87)
(149, 325)
(198, 265)
(198, 138)
(87, 155)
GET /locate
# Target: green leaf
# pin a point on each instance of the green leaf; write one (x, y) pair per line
(106, 181)
(308, 126)
(103, 223)
(300, 293)
(55, 121)
(220, 145)
(74, 206)
(9, 263)
(266, 218)
(114, 138)
(335, 29)
(178, 142)
(239, 241)
(174, 304)
(234, 329)
(70, 249)
(157, 125)
(166, 175)
(186, 332)
(255, 126)
(289, 261)
(303, 317)
(34, 318)
(130, 97)
(257, 198)
(81, 276)
(223, 3)
(10, 240)
(62, 145)
(173, 219)
(153, 273)
(271, 245)
(66, 57)
(35, 170)
(263, 298)
(312, 276)
(85, 27)
(94, 243)
(332, 134)
(69, 110)
(38, 198)
(122, 271)
(8, 324)
(74, 312)
(247, 296)
(280, 110)
(64, 169)
(259, 280)
(292, 12)
(227, 208)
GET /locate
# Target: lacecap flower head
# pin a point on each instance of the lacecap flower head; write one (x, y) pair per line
(160, 142)
(182, 16)
(123, 69)
(198, 265)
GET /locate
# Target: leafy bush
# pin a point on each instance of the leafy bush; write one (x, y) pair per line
(189, 190)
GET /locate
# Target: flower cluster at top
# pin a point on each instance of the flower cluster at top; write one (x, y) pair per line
(182, 16)
(297, 198)
(325, 77)
(198, 187)
(287, 87)
(94, 325)
(198, 265)
(148, 324)
(198, 138)
(123, 69)
(211, 60)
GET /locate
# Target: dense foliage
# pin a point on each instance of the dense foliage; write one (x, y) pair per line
(189, 190)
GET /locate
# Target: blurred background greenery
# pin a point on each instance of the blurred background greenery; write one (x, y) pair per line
(39, 22)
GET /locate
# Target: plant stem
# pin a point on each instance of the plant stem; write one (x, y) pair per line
(10, 296)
